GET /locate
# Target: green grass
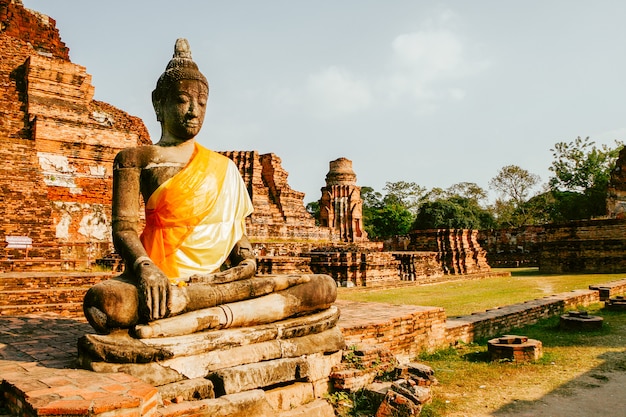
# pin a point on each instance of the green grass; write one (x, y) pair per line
(466, 297)
(468, 381)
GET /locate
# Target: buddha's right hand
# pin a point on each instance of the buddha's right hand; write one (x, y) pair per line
(154, 291)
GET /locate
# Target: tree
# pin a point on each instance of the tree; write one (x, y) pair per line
(514, 185)
(390, 215)
(392, 219)
(581, 178)
(407, 194)
(579, 165)
(457, 207)
(314, 210)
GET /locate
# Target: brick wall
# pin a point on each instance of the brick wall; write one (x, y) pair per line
(459, 250)
(56, 142)
(591, 246)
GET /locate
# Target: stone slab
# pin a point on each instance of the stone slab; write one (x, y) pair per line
(290, 396)
(317, 408)
(120, 347)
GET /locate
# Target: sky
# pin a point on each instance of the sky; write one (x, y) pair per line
(431, 92)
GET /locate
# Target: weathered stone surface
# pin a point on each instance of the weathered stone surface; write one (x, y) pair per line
(317, 408)
(318, 366)
(356, 267)
(315, 295)
(515, 348)
(256, 375)
(187, 390)
(397, 405)
(152, 373)
(290, 396)
(244, 404)
(123, 348)
(512, 247)
(201, 365)
(590, 246)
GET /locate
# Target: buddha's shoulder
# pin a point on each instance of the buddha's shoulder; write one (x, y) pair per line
(137, 157)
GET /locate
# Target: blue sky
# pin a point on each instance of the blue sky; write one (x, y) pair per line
(433, 92)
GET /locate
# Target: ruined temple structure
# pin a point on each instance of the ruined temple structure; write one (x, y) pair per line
(341, 204)
(616, 200)
(458, 250)
(590, 246)
(279, 212)
(57, 143)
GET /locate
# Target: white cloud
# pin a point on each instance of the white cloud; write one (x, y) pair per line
(417, 73)
(335, 91)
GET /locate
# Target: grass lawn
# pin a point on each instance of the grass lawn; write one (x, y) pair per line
(466, 297)
(573, 363)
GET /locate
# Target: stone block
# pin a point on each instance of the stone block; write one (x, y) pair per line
(244, 404)
(290, 396)
(319, 366)
(187, 390)
(256, 375)
(317, 408)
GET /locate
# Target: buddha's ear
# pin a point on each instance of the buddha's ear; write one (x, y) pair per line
(157, 104)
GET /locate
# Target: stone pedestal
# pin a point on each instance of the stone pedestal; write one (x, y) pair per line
(580, 320)
(284, 365)
(617, 303)
(515, 348)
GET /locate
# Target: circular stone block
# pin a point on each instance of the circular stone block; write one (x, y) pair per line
(580, 320)
(515, 348)
(616, 303)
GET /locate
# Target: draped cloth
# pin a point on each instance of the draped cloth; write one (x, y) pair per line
(194, 219)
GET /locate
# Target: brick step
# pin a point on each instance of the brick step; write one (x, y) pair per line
(31, 281)
(43, 296)
(66, 309)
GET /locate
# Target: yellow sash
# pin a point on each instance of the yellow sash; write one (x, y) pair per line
(194, 219)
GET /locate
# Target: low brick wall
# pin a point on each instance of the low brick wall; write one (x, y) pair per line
(610, 289)
(404, 330)
(407, 330)
(498, 321)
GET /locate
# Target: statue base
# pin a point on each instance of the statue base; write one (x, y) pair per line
(289, 360)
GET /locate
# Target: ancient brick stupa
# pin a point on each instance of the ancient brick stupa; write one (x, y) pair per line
(57, 143)
(341, 204)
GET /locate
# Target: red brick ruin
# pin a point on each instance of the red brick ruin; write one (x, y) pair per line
(57, 143)
(341, 204)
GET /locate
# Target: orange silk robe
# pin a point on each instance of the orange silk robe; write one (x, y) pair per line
(194, 219)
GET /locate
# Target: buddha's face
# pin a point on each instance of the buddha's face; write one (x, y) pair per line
(183, 107)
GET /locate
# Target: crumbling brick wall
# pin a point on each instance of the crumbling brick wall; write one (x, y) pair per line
(56, 142)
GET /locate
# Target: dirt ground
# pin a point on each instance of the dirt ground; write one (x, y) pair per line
(595, 393)
(597, 397)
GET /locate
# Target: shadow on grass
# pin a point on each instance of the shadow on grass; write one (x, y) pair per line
(597, 392)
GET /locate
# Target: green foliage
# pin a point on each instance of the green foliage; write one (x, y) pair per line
(514, 185)
(579, 165)
(314, 210)
(581, 178)
(352, 358)
(405, 194)
(457, 207)
(352, 404)
(387, 216)
(391, 220)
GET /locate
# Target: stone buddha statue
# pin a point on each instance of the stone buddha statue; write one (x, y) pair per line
(192, 267)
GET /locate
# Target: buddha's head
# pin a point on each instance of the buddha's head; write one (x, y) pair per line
(181, 94)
